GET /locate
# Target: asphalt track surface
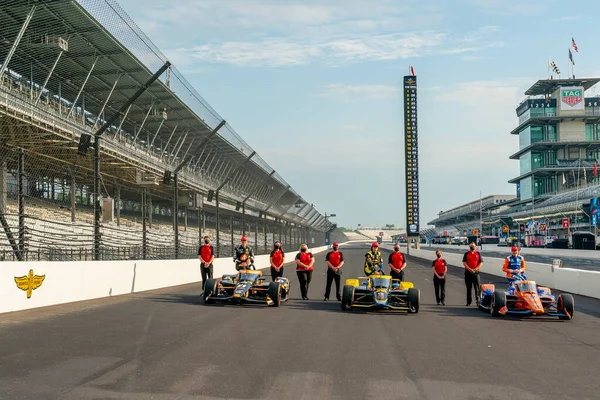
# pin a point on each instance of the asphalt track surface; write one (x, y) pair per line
(167, 345)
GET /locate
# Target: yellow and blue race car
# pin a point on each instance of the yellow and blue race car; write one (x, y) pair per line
(380, 292)
(247, 286)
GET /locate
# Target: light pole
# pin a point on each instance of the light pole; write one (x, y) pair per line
(328, 233)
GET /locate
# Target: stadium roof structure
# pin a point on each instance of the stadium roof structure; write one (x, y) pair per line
(466, 211)
(547, 86)
(88, 57)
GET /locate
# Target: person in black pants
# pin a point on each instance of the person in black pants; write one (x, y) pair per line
(440, 268)
(206, 255)
(277, 260)
(304, 268)
(472, 262)
(335, 261)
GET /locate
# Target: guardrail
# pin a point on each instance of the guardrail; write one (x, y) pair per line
(47, 284)
(585, 283)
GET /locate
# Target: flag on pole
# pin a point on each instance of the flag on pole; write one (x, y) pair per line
(595, 169)
(574, 45)
(564, 180)
(553, 66)
(571, 57)
(412, 71)
(584, 174)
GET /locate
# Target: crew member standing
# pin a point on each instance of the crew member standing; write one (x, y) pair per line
(440, 268)
(304, 268)
(472, 262)
(206, 255)
(277, 260)
(397, 263)
(335, 261)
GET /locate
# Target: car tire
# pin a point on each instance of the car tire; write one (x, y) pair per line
(413, 298)
(210, 289)
(566, 304)
(347, 297)
(275, 293)
(498, 301)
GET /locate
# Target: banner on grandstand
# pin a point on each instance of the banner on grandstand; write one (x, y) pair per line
(411, 155)
(571, 98)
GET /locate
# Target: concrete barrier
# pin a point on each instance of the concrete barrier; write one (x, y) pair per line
(51, 283)
(586, 283)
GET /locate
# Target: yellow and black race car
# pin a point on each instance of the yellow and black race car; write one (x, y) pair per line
(248, 286)
(380, 292)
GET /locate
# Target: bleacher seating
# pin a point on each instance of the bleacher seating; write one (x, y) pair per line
(49, 233)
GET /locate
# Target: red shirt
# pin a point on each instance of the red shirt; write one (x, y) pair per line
(206, 252)
(334, 257)
(277, 257)
(396, 259)
(472, 258)
(440, 266)
(304, 259)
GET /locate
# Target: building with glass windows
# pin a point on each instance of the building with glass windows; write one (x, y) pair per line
(559, 139)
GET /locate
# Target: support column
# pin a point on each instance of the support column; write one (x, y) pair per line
(243, 218)
(218, 224)
(96, 198)
(17, 41)
(176, 214)
(150, 211)
(3, 186)
(118, 205)
(256, 235)
(21, 203)
(265, 232)
(73, 198)
(144, 223)
(231, 226)
(48, 77)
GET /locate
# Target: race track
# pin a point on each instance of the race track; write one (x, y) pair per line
(168, 345)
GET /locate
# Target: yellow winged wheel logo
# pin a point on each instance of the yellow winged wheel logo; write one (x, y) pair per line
(30, 282)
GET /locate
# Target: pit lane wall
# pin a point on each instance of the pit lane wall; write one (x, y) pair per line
(73, 281)
(586, 283)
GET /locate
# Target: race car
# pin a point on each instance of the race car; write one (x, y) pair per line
(247, 286)
(524, 297)
(380, 292)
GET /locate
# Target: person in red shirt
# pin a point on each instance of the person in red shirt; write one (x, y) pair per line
(440, 268)
(472, 262)
(304, 268)
(397, 263)
(335, 261)
(277, 260)
(206, 255)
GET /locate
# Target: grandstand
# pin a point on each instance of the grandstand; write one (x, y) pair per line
(168, 169)
(462, 220)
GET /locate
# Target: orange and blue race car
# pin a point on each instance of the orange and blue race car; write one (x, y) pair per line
(525, 298)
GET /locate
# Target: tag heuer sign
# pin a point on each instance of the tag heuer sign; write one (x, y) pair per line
(571, 98)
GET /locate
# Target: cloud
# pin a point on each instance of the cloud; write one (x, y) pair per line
(335, 51)
(360, 92)
(567, 18)
(277, 52)
(523, 7)
(472, 58)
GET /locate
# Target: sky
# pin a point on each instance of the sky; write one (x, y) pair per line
(315, 88)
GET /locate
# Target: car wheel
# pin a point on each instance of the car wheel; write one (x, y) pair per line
(498, 301)
(347, 297)
(275, 293)
(413, 298)
(210, 289)
(566, 305)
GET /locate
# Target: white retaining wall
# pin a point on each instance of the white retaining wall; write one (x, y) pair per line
(586, 283)
(72, 281)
